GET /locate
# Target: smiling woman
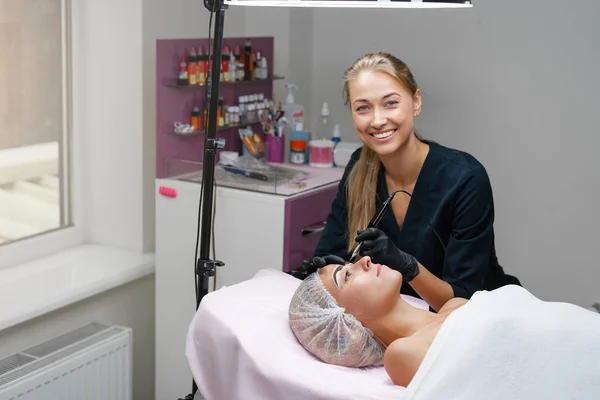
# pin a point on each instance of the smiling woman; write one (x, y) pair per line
(440, 234)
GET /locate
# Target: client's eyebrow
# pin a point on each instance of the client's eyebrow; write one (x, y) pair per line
(334, 275)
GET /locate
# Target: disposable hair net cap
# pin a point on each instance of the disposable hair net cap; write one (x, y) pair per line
(327, 331)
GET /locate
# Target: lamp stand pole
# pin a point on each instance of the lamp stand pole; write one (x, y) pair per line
(205, 267)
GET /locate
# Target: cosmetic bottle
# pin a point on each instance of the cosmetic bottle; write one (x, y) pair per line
(232, 67)
(336, 138)
(200, 71)
(297, 151)
(258, 67)
(221, 113)
(195, 121)
(182, 77)
(264, 72)
(323, 130)
(235, 115)
(248, 60)
(293, 112)
(192, 66)
(300, 136)
(225, 65)
(206, 66)
(239, 65)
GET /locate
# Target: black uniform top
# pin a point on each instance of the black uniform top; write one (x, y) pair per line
(454, 194)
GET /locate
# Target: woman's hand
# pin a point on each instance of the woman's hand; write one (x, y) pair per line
(319, 262)
(375, 244)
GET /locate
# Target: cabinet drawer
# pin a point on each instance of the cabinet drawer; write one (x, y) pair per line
(305, 218)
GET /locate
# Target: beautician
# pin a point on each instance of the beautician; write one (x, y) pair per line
(451, 194)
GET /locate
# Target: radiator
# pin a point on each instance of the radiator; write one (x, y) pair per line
(93, 362)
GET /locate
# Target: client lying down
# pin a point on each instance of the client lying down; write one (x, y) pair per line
(500, 344)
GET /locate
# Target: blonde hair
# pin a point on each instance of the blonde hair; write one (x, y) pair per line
(362, 179)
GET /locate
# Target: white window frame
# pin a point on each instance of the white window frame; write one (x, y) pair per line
(72, 165)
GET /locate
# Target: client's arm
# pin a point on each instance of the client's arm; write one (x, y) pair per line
(403, 357)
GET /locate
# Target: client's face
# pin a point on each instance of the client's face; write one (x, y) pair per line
(366, 290)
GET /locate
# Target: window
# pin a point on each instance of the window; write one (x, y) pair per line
(34, 119)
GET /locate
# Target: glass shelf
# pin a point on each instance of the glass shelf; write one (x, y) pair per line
(196, 87)
(279, 179)
(219, 128)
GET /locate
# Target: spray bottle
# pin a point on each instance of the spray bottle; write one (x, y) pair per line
(294, 113)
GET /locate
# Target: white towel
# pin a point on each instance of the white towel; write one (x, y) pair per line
(507, 344)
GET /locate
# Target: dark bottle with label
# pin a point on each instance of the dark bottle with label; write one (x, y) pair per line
(221, 113)
(248, 60)
(195, 122)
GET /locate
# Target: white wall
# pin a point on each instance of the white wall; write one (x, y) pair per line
(107, 45)
(301, 70)
(108, 109)
(516, 84)
(131, 305)
(271, 21)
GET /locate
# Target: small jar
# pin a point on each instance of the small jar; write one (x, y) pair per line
(321, 153)
(297, 151)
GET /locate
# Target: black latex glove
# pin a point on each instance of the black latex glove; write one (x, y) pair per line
(382, 250)
(310, 266)
(319, 262)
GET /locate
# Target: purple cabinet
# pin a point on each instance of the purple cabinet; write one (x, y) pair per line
(305, 217)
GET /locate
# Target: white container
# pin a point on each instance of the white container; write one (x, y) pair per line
(343, 151)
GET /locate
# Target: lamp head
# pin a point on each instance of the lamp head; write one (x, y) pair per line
(374, 4)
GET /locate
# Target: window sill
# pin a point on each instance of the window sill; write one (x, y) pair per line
(41, 286)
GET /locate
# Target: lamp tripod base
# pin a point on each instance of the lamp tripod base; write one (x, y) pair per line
(205, 269)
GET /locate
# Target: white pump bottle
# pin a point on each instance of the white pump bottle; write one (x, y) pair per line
(294, 113)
